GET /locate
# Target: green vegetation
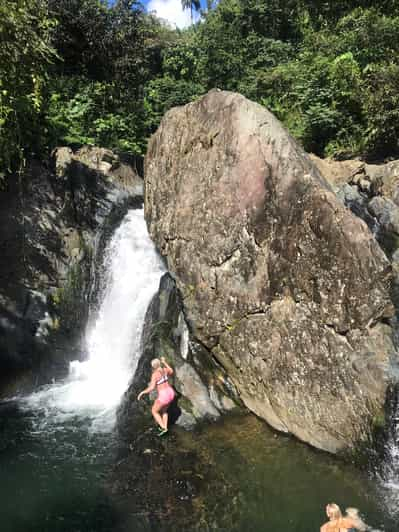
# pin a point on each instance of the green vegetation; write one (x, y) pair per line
(85, 72)
(25, 56)
(327, 71)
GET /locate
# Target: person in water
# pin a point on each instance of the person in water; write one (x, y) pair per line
(353, 513)
(159, 380)
(351, 522)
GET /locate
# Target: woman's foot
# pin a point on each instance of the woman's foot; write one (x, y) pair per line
(163, 432)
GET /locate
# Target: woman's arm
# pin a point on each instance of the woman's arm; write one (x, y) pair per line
(149, 388)
(168, 368)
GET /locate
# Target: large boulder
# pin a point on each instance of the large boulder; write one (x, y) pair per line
(281, 283)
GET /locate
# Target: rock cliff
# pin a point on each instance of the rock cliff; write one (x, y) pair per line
(285, 287)
(52, 222)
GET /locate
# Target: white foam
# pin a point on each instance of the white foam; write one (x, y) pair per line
(390, 471)
(94, 387)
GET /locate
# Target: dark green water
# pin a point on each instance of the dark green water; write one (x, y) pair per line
(53, 472)
(284, 485)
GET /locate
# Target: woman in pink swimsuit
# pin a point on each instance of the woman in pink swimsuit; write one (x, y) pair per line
(166, 394)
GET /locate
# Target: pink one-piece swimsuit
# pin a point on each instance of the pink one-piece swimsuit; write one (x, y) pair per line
(167, 393)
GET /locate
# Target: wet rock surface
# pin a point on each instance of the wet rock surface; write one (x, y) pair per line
(168, 484)
(203, 389)
(50, 225)
(281, 283)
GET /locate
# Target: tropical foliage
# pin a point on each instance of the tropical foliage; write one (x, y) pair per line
(91, 72)
(25, 57)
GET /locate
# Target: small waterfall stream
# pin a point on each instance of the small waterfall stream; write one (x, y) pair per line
(390, 467)
(131, 272)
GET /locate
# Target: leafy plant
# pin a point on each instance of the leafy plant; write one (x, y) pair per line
(25, 54)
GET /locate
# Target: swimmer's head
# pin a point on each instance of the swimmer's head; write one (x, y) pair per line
(333, 511)
(155, 363)
(352, 512)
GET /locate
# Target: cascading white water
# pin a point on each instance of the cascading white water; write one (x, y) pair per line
(94, 387)
(390, 470)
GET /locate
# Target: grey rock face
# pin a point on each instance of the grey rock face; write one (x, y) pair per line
(371, 191)
(48, 227)
(286, 288)
(386, 212)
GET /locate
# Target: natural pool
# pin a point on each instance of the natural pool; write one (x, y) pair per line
(53, 474)
(285, 485)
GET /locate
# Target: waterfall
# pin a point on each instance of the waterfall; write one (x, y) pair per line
(131, 272)
(390, 468)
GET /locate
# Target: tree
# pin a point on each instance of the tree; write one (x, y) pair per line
(80, 36)
(381, 106)
(25, 55)
(241, 38)
(192, 5)
(107, 55)
(95, 71)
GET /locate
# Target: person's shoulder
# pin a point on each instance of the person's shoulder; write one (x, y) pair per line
(348, 522)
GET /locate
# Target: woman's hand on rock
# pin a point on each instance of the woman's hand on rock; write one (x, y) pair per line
(140, 395)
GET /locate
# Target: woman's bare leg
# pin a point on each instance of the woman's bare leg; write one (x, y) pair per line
(164, 414)
(155, 410)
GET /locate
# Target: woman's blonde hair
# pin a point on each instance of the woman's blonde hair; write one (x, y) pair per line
(353, 513)
(155, 363)
(334, 511)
